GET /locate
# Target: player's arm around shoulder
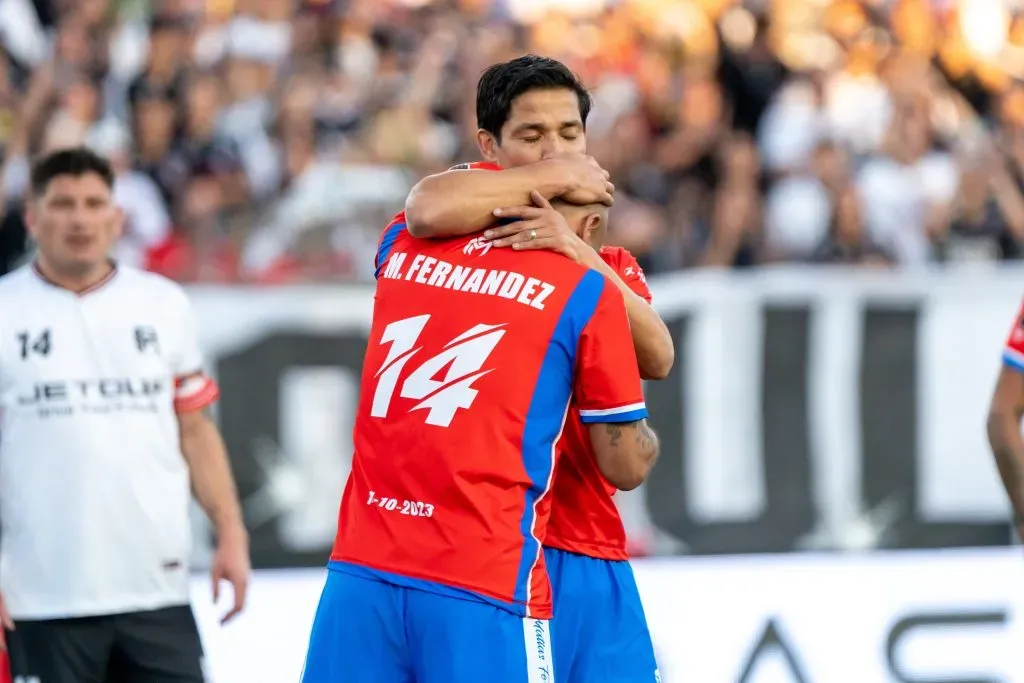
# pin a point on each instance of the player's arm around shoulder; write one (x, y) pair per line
(462, 201)
(542, 227)
(609, 394)
(204, 451)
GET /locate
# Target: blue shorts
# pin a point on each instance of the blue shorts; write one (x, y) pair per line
(369, 631)
(599, 631)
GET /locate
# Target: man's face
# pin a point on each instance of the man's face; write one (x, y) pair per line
(541, 124)
(154, 119)
(75, 223)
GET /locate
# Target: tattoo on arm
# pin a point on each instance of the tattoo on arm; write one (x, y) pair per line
(614, 432)
(646, 439)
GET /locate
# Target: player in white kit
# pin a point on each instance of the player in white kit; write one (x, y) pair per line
(103, 432)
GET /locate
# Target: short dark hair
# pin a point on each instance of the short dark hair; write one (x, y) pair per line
(502, 83)
(74, 161)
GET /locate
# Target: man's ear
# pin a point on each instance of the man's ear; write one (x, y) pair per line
(592, 230)
(487, 144)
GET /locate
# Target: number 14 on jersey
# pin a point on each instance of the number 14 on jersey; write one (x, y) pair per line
(461, 358)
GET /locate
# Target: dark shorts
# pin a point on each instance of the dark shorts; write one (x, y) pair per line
(156, 646)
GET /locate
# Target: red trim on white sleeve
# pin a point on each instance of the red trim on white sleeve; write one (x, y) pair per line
(476, 166)
(194, 392)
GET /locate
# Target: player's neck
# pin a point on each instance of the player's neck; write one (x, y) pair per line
(77, 282)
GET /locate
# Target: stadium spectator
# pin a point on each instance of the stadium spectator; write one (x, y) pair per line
(147, 223)
(225, 91)
(986, 223)
(847, 241)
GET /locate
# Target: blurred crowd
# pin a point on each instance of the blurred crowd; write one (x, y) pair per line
(269, 141)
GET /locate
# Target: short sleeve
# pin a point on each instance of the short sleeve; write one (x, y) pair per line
(194, 389)
(391, 234)
(627, 268)
(1013, 351)
(476, 166)
(608, 385)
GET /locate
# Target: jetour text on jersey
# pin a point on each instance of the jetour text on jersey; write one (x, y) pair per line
(427, 270)
(100, 395)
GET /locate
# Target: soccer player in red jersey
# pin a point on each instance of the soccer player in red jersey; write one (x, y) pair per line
(437, 573)
(532, 115)
(1004, 421)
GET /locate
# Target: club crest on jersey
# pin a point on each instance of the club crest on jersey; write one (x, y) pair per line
(145, 337)
(478, 245)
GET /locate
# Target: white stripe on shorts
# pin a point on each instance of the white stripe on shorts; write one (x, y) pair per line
(539, 667)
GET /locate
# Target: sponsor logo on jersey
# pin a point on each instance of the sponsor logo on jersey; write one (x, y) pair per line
(477, 244)
(99, 395)
(639, 273)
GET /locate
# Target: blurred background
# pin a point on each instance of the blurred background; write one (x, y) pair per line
(827, 197)
(884, 134)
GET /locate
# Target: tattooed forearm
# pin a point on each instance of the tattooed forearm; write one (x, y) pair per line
(646, 439)
(625, 452)
(614, 432)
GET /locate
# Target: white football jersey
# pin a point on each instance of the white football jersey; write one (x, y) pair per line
(94, 490)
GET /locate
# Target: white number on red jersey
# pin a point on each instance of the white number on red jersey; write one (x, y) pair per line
(464, 356)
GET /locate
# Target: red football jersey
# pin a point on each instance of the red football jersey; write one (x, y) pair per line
(472, 359)
(1013, 352)
(584, 518)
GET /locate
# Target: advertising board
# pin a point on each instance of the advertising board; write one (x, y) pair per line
(807, 410)
(884, 617)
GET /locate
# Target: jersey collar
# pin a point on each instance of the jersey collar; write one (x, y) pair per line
(94, 287)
